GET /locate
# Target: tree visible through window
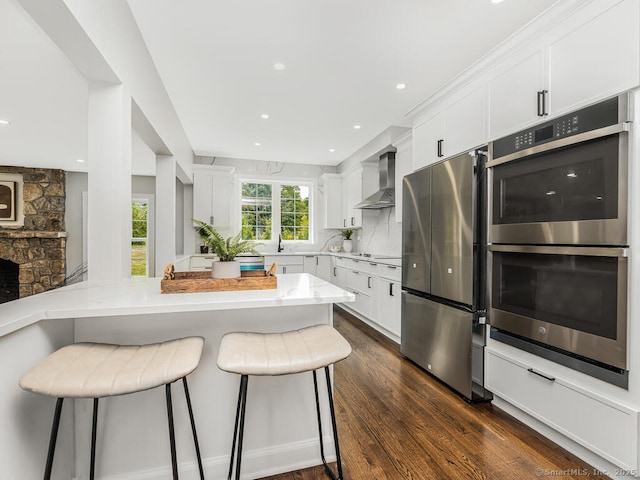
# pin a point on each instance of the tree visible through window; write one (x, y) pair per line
(294, 212)
(139, 237)
(256, 211)
(269, 209)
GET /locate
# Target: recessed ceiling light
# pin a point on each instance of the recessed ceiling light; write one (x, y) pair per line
(496, 1)
(79, 160)
(357, 127)
(4, 122)
(264, 115)
(401, 86)
(257, 144)
(279, 66)
(332, 150)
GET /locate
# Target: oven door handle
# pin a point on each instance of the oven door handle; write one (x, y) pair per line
(619, 252)
(563, 142)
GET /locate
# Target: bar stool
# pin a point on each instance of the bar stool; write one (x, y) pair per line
(97, 370)
(307, 349)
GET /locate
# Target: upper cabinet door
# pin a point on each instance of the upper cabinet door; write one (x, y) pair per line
(332, 200)
(212, 195)
(465, 119)
(404, 166)
(513, 92)
(428, 135)
(593, 55)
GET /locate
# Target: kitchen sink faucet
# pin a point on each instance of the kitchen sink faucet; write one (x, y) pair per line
(280, 247)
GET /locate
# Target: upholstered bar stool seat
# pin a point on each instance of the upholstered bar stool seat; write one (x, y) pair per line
(97, 370)
(304, 350)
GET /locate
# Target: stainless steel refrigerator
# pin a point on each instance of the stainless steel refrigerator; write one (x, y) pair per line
(444, 271)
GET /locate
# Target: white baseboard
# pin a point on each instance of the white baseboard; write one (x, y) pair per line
(255, 463)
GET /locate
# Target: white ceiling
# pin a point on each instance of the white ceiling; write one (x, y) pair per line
(343, 60)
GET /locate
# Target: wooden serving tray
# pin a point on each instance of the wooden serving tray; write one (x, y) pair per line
(193, 282)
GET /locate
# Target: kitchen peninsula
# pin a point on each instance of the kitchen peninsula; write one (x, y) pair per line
(281, 430)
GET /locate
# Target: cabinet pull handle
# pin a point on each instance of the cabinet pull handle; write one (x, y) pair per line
(356, 272)
(546, 377)
(373, 264)
(440, 142)
(369, 282)
(391, 289)
(316, 261)
(353, 221)
(391, 267)
(284, 269)
(344, 222)
(542, 103)
(334, 272)
(211, 223)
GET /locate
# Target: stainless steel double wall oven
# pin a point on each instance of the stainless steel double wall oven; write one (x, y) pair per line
(558, 238)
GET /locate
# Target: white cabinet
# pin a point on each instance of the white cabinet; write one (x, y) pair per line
(594, 54)
(212, 194)
(332, 202)
(591, 55)
(376, 287)
(465, 119)
(514, 85)
(454, 126)
(404, 166)
(357, 183)
(600, 424)
(387, 293)
(285, 263)
(428, 136)
(318, 265)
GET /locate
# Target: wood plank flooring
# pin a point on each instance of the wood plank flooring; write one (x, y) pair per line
(397, 422)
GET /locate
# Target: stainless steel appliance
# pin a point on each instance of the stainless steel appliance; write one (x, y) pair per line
(558, 239)
(443, 266)
(565, 181)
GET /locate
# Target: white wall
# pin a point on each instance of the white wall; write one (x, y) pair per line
(111, 27)
(76, 184)
(44, 96)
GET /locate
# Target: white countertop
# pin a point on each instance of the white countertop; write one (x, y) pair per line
(135, 296)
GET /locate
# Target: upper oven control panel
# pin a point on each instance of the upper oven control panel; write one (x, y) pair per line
(596, 116)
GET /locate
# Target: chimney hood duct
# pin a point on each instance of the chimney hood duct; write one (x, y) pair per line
(386, 195)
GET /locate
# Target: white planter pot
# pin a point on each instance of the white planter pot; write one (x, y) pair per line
(225, 269)
(347, 245)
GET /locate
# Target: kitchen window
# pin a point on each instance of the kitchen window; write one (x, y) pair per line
(270, 209)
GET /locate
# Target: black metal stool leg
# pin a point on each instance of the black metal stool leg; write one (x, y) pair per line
(327, 469)
(172, 433)
(333, 421)
(94, 425)
(238, 430)
(193, 427)
(53, 438)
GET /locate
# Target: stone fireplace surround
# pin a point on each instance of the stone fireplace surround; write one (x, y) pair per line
(39, 246)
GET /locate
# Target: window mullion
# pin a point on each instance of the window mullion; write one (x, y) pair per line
(276, 209)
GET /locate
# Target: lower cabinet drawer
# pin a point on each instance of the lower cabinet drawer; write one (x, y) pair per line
(362, 304)
(605, 427)
(359, 281)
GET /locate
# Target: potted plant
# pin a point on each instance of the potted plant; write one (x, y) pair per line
(347, 243)
(225, 249)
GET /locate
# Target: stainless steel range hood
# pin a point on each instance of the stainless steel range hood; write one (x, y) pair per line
(386, 195)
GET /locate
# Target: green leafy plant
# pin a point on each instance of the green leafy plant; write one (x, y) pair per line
(225, 249)
(346, 234)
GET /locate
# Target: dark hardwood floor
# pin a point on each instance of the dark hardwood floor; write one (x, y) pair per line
(397, 422)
